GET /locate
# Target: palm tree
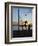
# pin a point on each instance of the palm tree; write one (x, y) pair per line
(25, 24)
(29, 26)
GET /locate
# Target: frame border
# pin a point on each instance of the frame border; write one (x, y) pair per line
(7, 18)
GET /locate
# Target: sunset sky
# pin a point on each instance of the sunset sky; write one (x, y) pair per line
(24, 14)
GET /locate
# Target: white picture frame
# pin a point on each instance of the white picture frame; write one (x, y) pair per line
(8, 21)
